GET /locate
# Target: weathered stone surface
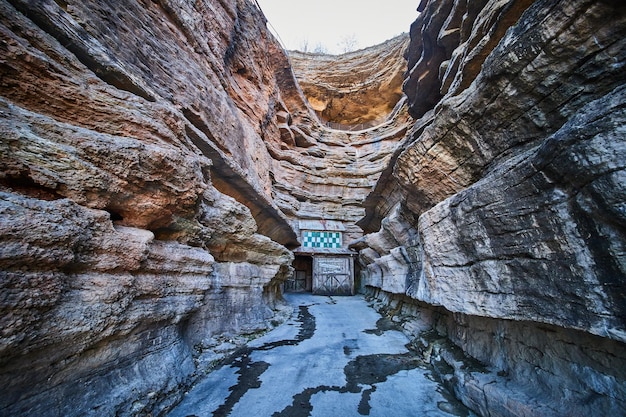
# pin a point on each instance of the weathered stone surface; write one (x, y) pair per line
(546, 225)
(155, 161)
(324, 172)
(120, 174)
(459, 147)
(511, 180)
(531, 370)
(450, 42)
(516, 101)
(83, 297)
(384, 254)
(76, 289)
(329, 180)
(119, 256)
(356, 88)
(94, 67)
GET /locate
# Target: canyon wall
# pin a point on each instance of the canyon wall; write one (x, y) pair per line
(137, 225)
(326, 167)
(156, 159)
(355, 90)
(499, 224)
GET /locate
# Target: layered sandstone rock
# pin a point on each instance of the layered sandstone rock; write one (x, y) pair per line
(323, 171)
(328, 176)
(502, 211)
(155, 162)
(356, 88)
(124, 129)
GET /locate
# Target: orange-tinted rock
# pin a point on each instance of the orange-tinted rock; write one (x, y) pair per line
(118, 123)
(356, 88)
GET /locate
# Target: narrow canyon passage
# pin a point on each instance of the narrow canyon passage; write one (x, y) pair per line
(168, 171)
(335, 357)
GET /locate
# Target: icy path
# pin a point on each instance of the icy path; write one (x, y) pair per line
(329, 359)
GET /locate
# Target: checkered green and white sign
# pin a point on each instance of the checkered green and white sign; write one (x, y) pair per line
(316, 239)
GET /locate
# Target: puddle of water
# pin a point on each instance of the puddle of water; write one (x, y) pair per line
(249, 372)
(382, 325)
(367, 370)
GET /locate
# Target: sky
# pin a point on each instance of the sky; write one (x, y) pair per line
(335, 24)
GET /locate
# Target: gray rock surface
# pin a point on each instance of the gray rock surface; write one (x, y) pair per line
(509, 194)
(123, 255)
(154, 163)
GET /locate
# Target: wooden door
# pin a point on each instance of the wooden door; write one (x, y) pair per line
(333, 275)
(300, 284)
(297, 283)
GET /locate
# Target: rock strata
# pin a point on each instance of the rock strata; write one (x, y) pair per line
(356, 88)
(156, 161)
(499, 224)
(136, 228)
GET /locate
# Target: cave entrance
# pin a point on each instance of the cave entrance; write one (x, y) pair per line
(325, 274)
(302, 278)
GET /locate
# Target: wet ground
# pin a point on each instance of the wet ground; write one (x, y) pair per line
(334, 357)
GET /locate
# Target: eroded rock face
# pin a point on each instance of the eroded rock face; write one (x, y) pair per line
(356, 88)
(123, 129)
(504, 204)
(85, 311)
(329, 173)
(572, 184)
(155, 161)
(509, 367)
